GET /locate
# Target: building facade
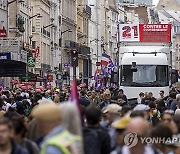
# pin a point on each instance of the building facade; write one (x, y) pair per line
(84, 61)
(3, 18)
(146, 2)
(169, 12)
(113, 29)
(68, 35)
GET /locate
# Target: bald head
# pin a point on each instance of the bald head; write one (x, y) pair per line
(138, 125)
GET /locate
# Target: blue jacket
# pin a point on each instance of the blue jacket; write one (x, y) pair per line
(84, 101)
(17, 149)
(104, 104)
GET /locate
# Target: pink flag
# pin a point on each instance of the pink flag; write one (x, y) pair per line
(74, 94)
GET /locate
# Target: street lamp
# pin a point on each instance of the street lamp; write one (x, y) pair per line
(88, 55)
(20, 1)
(36, 15)
(50, 25)
(68, 30)
(96, 40)
(62, 32)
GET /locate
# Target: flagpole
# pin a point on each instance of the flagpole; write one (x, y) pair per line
(74, 72)
(118, 47)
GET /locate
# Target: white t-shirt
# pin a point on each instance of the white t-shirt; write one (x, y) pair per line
(6, 106)
(148, 150)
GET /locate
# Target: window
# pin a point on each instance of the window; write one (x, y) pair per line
(33, 44)
(33, 28)
(146, 76)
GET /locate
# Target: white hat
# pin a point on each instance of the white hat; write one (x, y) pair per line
(177, 112)
(113, 108)
(141, 107)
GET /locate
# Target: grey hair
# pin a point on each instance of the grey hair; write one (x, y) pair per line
(178, 97)
(71, 118)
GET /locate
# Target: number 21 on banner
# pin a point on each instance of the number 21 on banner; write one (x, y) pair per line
(129, 32)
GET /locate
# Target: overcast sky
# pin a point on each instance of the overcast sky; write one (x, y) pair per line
(155, 2)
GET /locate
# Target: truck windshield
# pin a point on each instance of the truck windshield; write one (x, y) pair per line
(145, 76)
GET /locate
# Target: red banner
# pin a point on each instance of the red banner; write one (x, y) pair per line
(36, 51)
(3, 33)
(155, 32)
(50, 77)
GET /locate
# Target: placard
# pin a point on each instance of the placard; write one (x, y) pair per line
(128, 32)
(155, 32)
(145, 33)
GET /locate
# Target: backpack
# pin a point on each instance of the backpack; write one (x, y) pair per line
(154, 119)
(91, 141)
(29, 146)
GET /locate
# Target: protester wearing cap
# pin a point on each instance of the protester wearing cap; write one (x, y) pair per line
(113, 112)
(120, 126)
(142, 107)
(57, 91)
(56, 139)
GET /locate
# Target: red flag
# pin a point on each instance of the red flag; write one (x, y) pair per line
(74, 94)
(75, 98)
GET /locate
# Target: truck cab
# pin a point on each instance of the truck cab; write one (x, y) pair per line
(144, 68)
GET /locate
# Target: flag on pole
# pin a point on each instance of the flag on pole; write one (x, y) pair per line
(96, 79)
(75, 98)
(105, 59)
(75, 101)
(74, 94)
(104, 74)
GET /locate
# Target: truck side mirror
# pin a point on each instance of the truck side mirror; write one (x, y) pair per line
(133, 67)
(115, 77)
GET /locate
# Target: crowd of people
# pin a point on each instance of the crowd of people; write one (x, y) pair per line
(104, 122)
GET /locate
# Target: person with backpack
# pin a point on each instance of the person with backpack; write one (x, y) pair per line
(96, 139)
(113, 113)
(154, 114)
(172, 102)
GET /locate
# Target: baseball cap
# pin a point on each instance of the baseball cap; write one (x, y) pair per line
(57, 90)
(141, 107)
(46, 112)
(112, 108)
(121, 123)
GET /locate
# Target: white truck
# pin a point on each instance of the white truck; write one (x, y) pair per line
(144, 67)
